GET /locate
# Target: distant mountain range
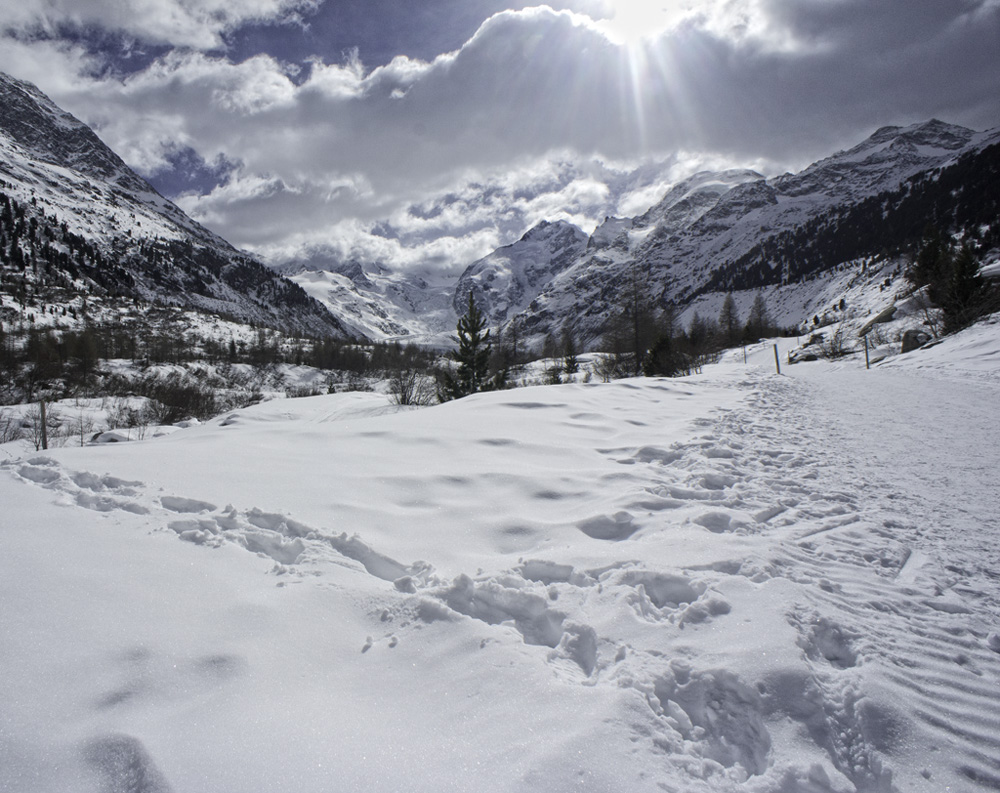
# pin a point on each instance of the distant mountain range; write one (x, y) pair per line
(712, 233)
(730, 231)
(91, 227)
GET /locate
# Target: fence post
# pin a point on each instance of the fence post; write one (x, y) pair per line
(867, 362)
(777, 363)
(45, 429)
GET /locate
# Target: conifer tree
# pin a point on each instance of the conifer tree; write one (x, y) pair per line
(571, 363)
(729, 322)
(759, 321)
(472, 356)
(932, 266)
(964, 293)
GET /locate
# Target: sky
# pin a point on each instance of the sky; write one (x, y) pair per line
(424, 135)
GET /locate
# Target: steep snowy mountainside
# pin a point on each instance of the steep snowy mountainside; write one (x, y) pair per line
(962, 198)
(690, 199)
(104, 232)
(33, 121)
(751, 210)
(54, 146)
(684, 203)
(507, 280)
(707, 232)
(891, 154)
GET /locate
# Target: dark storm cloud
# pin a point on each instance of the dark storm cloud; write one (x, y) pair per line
(843, 68)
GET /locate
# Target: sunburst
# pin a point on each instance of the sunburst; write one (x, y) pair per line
(635, 20)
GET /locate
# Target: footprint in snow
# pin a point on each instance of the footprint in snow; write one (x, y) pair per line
(124, 765)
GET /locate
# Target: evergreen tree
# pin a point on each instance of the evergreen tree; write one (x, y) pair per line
(664, 358)
(729, 322)
(965, 292)
(932, 266)
(571, 363)
(700, 335)
(758, 321)
(472, 356)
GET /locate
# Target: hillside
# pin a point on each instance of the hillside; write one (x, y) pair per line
(82, 229)
(730, 232)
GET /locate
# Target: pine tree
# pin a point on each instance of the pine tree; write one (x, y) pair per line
(472, 356)
(932, 266)
(664, 358)
(729, 322)
(965, 292)
(759, 321)
(571, 363)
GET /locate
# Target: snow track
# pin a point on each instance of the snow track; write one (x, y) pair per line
(792, 590)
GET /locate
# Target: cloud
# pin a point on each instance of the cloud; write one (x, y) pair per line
(540, 115)
(198, 24)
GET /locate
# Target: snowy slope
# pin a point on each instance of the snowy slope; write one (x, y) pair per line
(732, 581)
(59, 171)
(50, 155)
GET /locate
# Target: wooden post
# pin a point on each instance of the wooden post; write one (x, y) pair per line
(45, 429)
(744, 352)
(777, 364)
(867, 362)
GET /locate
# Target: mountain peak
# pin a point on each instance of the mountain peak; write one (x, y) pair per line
(934, 132)
(48, 133)
(545, 228)
(109, 235)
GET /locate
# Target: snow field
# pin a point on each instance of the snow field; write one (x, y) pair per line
(730, 581)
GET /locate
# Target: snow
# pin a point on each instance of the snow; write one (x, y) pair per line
(730, 581)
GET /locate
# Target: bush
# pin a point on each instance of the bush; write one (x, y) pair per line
(410, 387)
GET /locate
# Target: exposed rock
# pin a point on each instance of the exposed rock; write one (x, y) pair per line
(914, 339)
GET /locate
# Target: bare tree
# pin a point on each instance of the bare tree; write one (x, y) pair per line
(410, 387)
(835, 344)
(10, 428)
(81, 426)
(43, 422)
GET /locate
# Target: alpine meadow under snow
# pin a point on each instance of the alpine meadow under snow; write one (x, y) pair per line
(736, 580)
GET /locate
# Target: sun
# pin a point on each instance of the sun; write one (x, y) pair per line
(634, 20)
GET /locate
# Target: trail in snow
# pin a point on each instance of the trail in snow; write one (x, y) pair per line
(795, 591)
(913, 585)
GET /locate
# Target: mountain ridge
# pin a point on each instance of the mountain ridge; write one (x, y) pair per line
(68, 183)
(713, 230)
(697, 236)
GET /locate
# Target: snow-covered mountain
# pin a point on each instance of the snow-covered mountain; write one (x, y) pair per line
(101, 230)
(380, 303)
(712, 232)
(714, 224)
(505, 282)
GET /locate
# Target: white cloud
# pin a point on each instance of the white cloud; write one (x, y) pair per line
(197, 24)
(526, 121)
